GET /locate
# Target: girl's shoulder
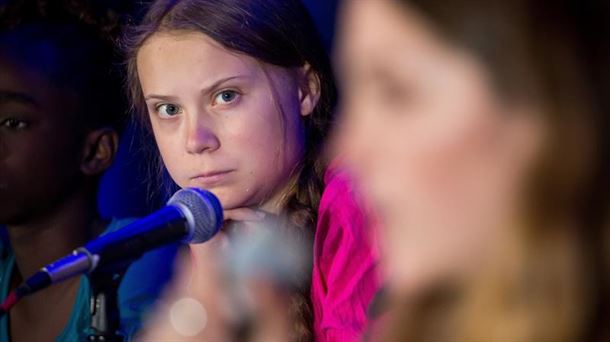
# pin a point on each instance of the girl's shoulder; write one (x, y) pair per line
(344, 277)
(342, 202)
(344, 213)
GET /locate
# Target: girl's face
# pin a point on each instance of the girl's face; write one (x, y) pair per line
(222, 121)
(41, 146)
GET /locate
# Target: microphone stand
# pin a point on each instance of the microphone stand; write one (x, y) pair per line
(105, 318)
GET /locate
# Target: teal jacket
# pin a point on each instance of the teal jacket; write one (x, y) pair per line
(141, 286)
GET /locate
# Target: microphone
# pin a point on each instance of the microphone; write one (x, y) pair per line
(191, 216)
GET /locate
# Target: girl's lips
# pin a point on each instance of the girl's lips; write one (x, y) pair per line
(211, 178)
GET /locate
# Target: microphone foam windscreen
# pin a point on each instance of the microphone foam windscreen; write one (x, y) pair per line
(202, 210)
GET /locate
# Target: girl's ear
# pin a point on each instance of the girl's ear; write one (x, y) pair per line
(309, 89)
(100, 149)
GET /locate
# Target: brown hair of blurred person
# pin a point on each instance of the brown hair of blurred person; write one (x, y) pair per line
(549, 283)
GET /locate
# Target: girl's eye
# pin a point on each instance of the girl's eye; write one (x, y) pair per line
(225, 97)
(14, 124)
(168, 110)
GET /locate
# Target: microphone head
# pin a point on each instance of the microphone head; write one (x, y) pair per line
(202, 211)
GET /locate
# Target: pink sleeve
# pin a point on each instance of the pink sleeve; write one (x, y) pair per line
(344, 277)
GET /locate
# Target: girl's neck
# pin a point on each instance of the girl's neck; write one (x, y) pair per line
(40, 241)
(277, 203)
(45, 238)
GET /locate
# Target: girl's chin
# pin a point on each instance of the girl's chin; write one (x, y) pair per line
(231, 198)
(233, 202)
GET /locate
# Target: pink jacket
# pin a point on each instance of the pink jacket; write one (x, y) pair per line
(344, 278)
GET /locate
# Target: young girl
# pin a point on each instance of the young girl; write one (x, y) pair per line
(239, 97)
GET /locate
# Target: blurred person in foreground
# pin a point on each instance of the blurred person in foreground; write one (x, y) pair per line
(476, 129)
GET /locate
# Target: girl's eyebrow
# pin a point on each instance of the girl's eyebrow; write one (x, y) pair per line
(204, 90)
(23, 98)
(220, 81)
(160, 97)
